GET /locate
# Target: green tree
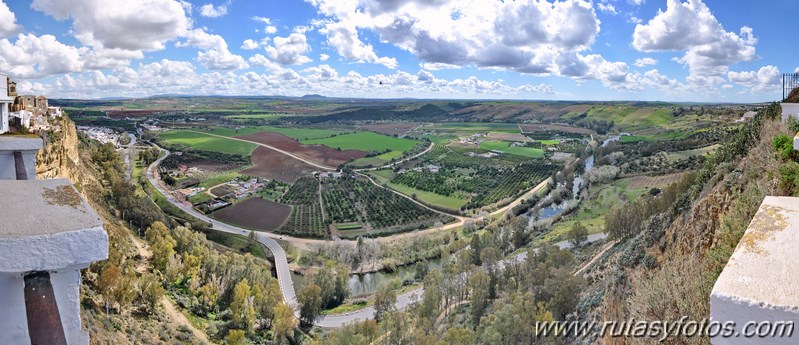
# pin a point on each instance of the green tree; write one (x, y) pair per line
(476, 247)
(235, 337)
(385, 299)
(478, 285)
(310, 300)
(283, 323)
(578, 234)
(241, 305)
(151, 292)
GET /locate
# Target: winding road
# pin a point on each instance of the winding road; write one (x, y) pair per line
(281, 261)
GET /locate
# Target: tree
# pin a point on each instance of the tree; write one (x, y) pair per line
(235, 337)
(476, 247)
(241, 306)
(151, 292)
(478, 284)
(385, 299)
(310, 299)
(283, 322)
(461, 336)
(578, 234)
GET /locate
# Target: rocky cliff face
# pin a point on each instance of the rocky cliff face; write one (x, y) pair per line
(60, 155)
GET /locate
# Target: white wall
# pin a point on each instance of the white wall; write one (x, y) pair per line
(66, 287)
(14, 321)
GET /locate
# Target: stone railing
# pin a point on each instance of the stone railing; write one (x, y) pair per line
(48, 233)
(758, 290)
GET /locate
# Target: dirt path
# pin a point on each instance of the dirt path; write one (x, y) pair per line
(596, 257)
(170, 309)
(400, 161)
(179, 319)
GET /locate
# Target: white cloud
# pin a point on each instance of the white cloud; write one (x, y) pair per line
(290, 50)
(767, 78)
(8, 21)
(268, 28)
(344, 38)
(636, 2)
(249, 44)
(215, 54)
(607, 8)
(211, 11)
(128, 25)
(728, 86)
(645, 62)
(691, 27)
(32, 57)
(524, 36)
(221, 60)
(324, 57)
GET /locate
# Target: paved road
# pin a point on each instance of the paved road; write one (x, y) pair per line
(281, 261)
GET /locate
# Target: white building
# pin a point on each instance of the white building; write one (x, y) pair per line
(54, 111)
(5, 103)
(22, 118)
(48, 234)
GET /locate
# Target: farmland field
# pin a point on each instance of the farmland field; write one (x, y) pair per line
(476, 127)
(365, 141)
(295, 133)
(306, 214)
(316, 153)
(207, 143)
(268, 163)
(255, 213)
(505, 147)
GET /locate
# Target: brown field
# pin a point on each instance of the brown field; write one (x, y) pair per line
(275, 165)
(499, 136)
(390, 128)
(568, 129)
(255, 213)
(641, 182)
(318, 153)
(222, 190)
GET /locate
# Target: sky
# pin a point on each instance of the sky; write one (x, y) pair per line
(647, 50)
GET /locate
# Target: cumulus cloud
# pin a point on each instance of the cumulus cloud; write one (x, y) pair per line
(324, 57)
(214, 54)
(211, 11)
(144, 25)
(767, 78)
(524, 36)
(8, 21)
(607, 8)
(645, 62)
(34, 56)
(249, 44)
(290, 50)
(692, 28)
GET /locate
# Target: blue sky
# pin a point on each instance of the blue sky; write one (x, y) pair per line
(669, 50)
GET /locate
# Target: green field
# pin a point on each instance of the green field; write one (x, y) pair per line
(378, 160)
(505, 147)
(365, 141)
(207, 143)
(476, 127)
(549, 142)
(255, 116)
(296, 133)
(453, 203)
(635, 138)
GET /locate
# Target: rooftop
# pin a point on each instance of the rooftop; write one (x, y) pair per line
(43, 207)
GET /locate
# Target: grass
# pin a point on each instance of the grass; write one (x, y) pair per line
(348, 307)
(378, 160)
(505, 147)
(453, 203)
(635, 138)
(296, 133)
(238, 243)
(349, 226)
(207, 143)
(549, 142)
(255, 116)
(365, 141)
(470, 127)
(219, 178)
(200, 198)
(592, 212)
